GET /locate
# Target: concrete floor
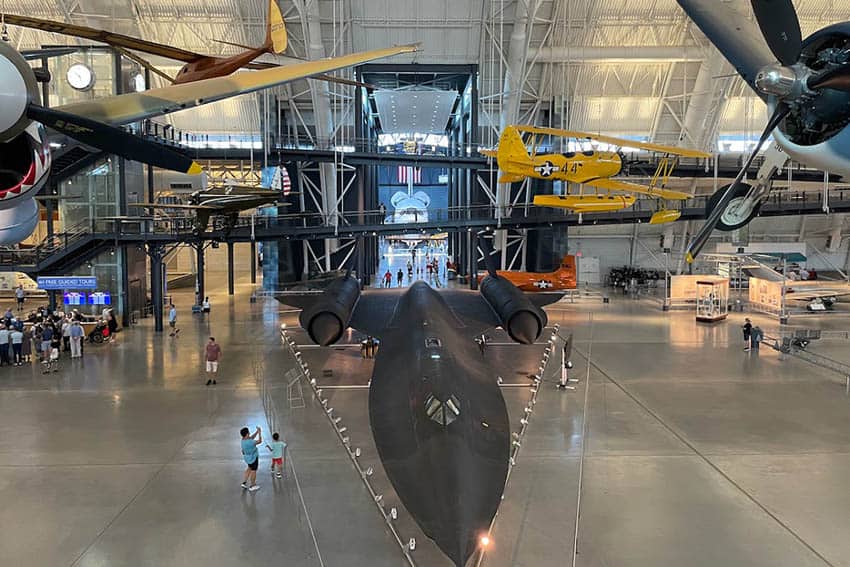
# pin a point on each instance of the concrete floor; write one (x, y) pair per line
(696, 453)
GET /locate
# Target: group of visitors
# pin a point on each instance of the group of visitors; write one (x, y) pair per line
(753, 335)
(44, 333)
(796, 273)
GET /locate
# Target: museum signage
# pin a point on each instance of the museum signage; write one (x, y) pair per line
(67, 282)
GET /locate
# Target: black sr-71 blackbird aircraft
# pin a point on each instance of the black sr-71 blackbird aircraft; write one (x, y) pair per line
(436, 411)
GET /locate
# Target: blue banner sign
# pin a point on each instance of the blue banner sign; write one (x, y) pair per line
(100, 298)
(74, 298)
(67, 282)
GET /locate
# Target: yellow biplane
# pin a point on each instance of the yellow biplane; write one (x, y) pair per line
(590, 168)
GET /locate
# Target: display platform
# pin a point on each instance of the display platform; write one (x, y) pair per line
(342, 375)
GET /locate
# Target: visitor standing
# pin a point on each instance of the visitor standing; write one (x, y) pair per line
(388, 279)
(212, 356)
(16, 337)
(4, 346)
(399, 277)
(66, 335)
(756, 337)
(747, 328)
(20, 296)
(277, 447)
(76, 333)
(251, 456)
(172, 321)
(26, 347)
(206, 305)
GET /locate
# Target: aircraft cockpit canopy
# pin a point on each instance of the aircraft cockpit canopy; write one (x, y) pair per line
(442, 412)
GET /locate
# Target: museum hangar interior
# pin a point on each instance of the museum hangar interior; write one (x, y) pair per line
(515, 282)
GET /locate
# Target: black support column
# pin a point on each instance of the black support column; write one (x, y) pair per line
(156, 253)
(473, 260)
(253, 262)
(230, 284)
(199, 278)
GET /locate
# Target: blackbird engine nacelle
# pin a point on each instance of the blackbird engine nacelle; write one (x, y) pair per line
(523, 321)
(328, 318)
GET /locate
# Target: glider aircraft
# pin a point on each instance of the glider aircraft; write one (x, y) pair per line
(25, 156)
(595, 169)
(197, 66)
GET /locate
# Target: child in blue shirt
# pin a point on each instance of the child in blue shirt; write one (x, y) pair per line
(277, 447)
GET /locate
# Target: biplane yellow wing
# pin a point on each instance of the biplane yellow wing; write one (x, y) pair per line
(623, 186)
(619, 142)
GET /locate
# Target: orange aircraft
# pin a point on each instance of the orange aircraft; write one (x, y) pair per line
(563, 278)
(198, 66)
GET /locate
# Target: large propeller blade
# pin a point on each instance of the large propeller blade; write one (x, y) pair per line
(112, 140)
(781, 28)
(704, 234)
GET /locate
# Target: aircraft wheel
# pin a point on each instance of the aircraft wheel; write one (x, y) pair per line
(737, 214)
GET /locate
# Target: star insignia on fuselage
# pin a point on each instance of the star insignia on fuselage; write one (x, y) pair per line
(547, 169)
(543, 284)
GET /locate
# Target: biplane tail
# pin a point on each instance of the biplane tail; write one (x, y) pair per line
(276, 38)
(512, 146)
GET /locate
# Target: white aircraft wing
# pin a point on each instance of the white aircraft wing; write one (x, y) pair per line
(126, 108)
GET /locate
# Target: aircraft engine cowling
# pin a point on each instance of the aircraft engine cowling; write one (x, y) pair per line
(817, 131)
(327, 319)
(522, 320)
(18, 88)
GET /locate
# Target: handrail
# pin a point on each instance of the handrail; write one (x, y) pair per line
(319, 225)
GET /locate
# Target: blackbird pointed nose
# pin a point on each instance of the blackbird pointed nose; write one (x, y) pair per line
(325, 329)
(524, 327)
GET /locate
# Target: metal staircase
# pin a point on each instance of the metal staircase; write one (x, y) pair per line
(70, 160)
(60, 253)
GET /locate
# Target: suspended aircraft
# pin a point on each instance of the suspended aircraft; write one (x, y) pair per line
(197, 66)
(805, 83)
(436, 411)
(564, 278)
(227, 201)
(25, 156)
(592, 168)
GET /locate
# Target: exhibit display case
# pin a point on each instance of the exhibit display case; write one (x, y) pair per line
(712, 297)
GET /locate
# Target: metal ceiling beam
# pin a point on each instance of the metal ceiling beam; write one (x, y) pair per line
(708, 102)
(311, 25)
(623, 54)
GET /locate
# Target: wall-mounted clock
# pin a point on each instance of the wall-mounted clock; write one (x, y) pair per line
(80, 77)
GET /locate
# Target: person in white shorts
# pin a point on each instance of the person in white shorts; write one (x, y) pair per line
(212, 355)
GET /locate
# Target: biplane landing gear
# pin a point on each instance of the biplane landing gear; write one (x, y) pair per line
(740, 210)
